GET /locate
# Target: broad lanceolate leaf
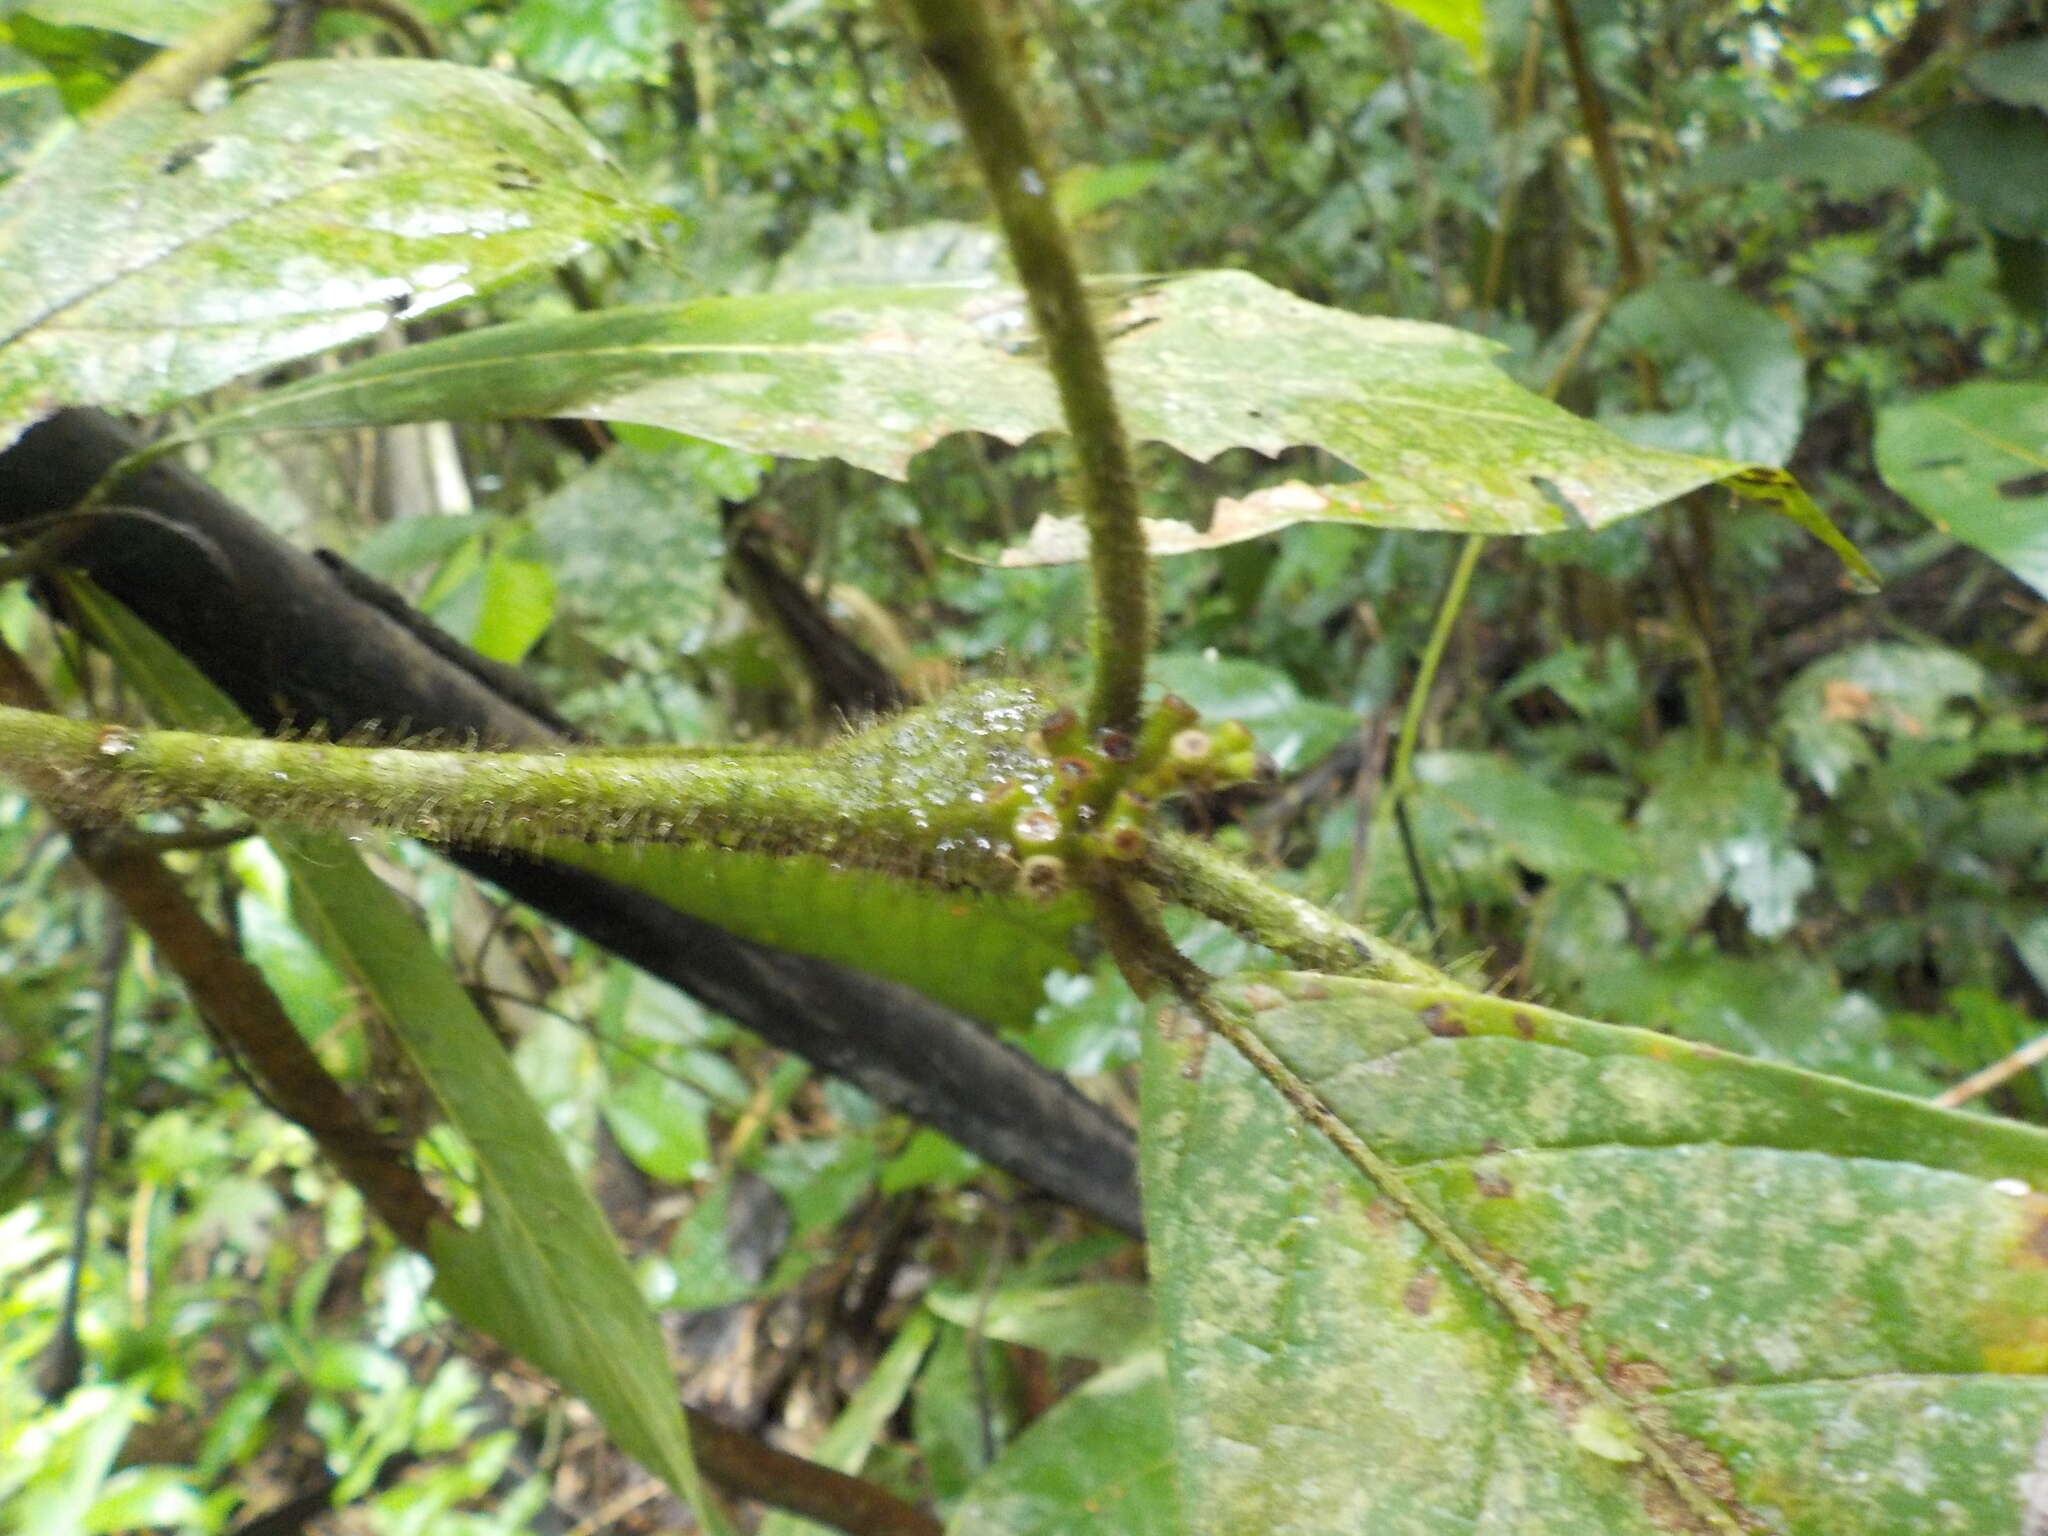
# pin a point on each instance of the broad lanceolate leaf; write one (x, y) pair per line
(176, 247)
(540, 1272)
(1211, 361)
(1974, 460)
(1528, 1273)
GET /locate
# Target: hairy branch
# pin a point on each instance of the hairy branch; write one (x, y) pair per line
(957, 38)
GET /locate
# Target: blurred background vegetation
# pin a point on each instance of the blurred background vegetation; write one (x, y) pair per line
(1677, 773)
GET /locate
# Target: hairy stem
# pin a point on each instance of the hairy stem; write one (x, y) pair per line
(1194, 874)
(934, 795)
(956, 36)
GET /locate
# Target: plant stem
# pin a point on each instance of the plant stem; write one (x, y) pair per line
(1511, 172)
(958, 40)
(1600, 136)
(931, 795)
(1432, 658)
(178, 71)
(1393, 804)
(1194, 874)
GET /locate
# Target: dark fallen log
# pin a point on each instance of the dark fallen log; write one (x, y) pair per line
(294, 643)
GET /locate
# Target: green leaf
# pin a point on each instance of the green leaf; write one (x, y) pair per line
(636, 548)
(1713, 827)
(170, 249)
(69, 1454)
(410, 544)
(1994, 161)
(518, 605)
(1210, 361)
(1550, 832)
(1834, 708)
(985, 955)
(1086, 189)
(1094, 1319)
(1729, 368)
(1101, 1460)
(2016, 73)
(582, 42)
(541, 1271)
(1530, 1273)
(1462, 21)
(154, 21)
(659, 1123)
(1974, 461)
(1852, 161)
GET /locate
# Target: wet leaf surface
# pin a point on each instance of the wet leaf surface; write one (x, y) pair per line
(174, 248)
(1604, 1281)
(1203, 363)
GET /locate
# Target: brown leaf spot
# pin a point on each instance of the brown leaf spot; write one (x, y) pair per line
(1311, 989)
(1492, 1185)
(2036, 1244)
(1383, 1216)
(1261, 998)
(1525, 1027)
(1442, 1023)
(1420, 1295)
(1492, 1146)
(1637, 1378)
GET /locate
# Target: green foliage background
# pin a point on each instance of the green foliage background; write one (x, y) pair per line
(1675, 772)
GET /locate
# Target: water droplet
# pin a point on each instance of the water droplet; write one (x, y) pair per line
(1037, 825)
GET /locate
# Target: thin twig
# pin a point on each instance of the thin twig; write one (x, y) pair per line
(1401, 780)
(1600, 137)
(396, 16)
(958, 40)
(64, 1361)
(1985, 1079)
